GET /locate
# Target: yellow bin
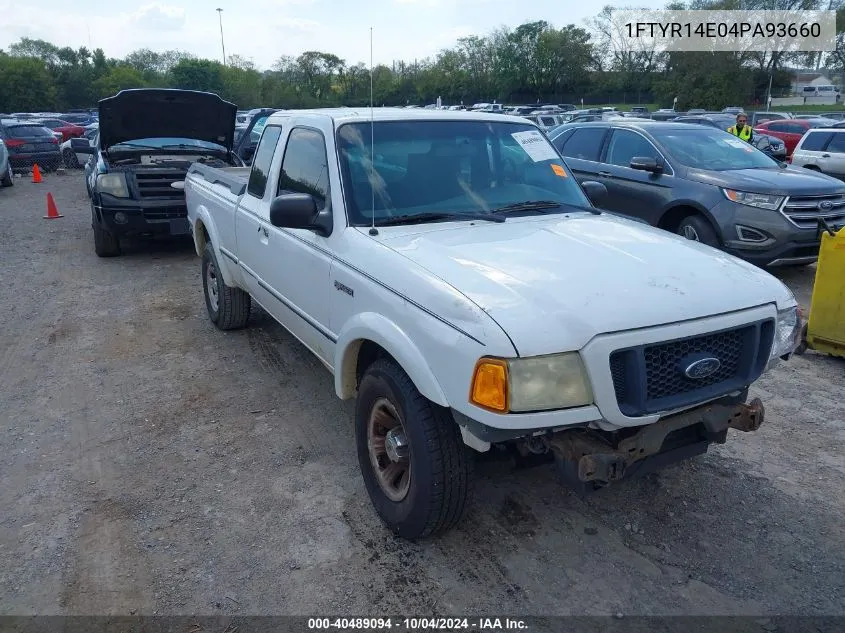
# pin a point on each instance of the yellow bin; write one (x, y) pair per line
(826, 320)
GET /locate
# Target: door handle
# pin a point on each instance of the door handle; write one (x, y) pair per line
(606, 174)
(825, 155)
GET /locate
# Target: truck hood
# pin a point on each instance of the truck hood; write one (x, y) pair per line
(554, 282)
(789, 181)
(162, 113)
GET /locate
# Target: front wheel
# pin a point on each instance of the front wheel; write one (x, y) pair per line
(228, 308)
(697, 229)
(416, 468)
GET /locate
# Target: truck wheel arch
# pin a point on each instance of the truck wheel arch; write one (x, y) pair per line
(368, 336)
(204, 233)
(671, 218)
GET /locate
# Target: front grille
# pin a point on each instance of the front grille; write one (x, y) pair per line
(805, 211)
(166, 213)
(651, 378)
(155, 183)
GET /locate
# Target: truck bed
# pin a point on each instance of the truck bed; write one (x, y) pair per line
(235, 178)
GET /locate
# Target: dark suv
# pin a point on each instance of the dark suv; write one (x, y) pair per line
(148, 138)
(707, 185)
(30, 144)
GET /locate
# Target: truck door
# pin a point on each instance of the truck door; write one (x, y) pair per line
(294, 265)
(251, 216)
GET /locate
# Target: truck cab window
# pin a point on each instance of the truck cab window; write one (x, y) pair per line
(261, 162)
(305, 168)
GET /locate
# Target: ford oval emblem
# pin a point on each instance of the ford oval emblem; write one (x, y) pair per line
(702, 368)
(825, 204)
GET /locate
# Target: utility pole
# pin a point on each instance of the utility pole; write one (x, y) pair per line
(222, 44)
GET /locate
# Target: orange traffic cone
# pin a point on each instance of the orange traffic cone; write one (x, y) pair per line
(52, 211)
(36, 173)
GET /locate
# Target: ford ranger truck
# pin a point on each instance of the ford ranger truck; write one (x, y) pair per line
(455, 278)
(147, 140)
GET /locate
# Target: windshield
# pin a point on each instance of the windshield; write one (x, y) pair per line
(166, 142)
(26, 131)
(449, 166)
(709, 148)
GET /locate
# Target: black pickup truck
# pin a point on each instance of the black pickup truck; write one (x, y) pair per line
(148, 139)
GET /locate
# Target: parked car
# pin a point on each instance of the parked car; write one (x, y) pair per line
(790, 131)
(732, 110)
(6, 176)
(756, 118)
(414, 286)
(546, 122)
(29, 144)
(67, 130)
(822, 150)
(664, 114)
(639, 111)
(246, 140)
(694, 111)
(706, 185)
(836, 116)
(73, 159)
(772, 145)
(147, 140)
(566, 107)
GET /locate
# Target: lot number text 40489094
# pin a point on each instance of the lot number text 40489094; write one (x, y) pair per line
(417, 624)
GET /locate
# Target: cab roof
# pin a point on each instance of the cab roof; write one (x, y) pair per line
(362, 115)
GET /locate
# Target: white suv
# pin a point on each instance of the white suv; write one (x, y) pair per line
(822, 150)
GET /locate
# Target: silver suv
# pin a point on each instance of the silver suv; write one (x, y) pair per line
(822, 150)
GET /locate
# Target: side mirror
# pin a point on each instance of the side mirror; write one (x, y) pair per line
(294, 211)
(595, 191)
(647, 163)
(81, 146)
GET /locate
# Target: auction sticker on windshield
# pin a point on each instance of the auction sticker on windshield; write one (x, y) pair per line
(736, 143)
(535, 145)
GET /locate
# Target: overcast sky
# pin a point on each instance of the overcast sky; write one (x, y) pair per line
(262, 30)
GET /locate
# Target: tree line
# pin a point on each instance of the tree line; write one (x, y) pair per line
(533, 62)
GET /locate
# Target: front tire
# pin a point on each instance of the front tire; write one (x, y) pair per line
(416, 468)
(228, 308)
(697, 229)
(106, 243)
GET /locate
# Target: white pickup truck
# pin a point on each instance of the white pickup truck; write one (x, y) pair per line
(455, 278)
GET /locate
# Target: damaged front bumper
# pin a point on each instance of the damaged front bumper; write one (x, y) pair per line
(588, 459)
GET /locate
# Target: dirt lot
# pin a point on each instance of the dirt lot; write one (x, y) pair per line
(152, 464)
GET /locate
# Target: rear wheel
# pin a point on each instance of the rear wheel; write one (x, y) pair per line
(697, 229)
(70, 160)
(7, 179)
(228, 308)
(416, 468)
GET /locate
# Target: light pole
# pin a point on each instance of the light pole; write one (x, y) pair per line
(222, 44)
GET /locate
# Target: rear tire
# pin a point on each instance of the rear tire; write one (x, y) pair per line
(70, 160)
(697, 229)
(8, 179)
(439, 466)
(228, 308)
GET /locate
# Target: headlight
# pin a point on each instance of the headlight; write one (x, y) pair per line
(541, 383)
(759, 200)
(113, 184)
(787, 332)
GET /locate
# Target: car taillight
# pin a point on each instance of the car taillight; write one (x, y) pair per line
(14, 143)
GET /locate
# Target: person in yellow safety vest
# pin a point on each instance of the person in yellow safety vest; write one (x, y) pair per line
(742, 129)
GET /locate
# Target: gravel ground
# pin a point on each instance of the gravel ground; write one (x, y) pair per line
(152, 464)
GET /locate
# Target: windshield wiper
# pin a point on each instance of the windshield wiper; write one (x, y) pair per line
(433, 216)
(539, 205)
(528, 205)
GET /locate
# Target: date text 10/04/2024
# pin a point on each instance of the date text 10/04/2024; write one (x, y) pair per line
(417, 624)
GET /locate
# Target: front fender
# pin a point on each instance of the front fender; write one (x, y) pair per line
(369, 326)
(201, 219)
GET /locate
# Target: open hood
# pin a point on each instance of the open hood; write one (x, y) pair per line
(158, 113)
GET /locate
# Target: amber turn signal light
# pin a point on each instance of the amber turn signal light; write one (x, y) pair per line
(489, 388)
